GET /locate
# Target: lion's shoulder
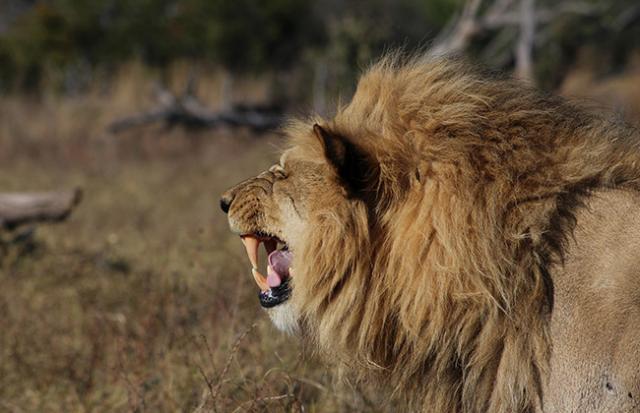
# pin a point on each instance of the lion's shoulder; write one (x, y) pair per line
(597, 304)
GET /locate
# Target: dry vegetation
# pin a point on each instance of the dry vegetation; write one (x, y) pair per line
(142, 301)
(620, 91)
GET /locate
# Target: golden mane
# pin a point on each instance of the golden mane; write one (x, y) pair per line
(439, 281)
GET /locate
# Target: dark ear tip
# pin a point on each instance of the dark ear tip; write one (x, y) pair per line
(327, 138)
(318, 130)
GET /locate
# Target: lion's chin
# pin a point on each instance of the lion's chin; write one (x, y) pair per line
(284, 318)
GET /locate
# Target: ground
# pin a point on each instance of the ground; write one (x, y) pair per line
(142, 300)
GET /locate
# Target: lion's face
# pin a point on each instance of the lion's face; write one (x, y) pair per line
(273, 209)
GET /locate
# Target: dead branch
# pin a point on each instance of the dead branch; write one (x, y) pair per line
(22, 208)
(459, 32)
(186, 110)
(504, 14)
(524, 47)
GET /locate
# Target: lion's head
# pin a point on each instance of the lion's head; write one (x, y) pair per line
(418, 224)
(273, 209)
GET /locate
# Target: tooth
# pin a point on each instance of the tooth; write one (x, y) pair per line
(291, 271)
(251, 244)
(261, 280)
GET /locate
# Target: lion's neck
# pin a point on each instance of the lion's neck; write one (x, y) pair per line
(596, 309)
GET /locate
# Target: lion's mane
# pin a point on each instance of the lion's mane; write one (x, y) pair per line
(440, 284)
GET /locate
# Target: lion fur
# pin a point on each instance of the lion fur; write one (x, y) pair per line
(439, 283)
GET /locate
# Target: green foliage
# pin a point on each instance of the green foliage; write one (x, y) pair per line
(62, 37)
(439, 12)
(242, 35)
(253, 35)
(603, 40)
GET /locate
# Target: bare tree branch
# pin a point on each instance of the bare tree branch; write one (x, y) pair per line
(458, 33)
(524, 47)
(501, 14)
(567, 7)
(186, 110)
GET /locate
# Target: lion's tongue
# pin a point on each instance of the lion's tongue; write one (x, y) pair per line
(278, 269)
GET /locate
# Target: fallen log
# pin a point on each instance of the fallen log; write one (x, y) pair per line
(29, 207)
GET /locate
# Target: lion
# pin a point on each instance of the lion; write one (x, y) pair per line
(460, 239)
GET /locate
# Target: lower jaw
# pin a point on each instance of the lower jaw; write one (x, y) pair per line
(275, 296)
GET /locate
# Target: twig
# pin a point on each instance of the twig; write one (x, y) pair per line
(131, 388)
(208, 381)
(262, 400)
(234, 350)
(460, 31)
(214, 391)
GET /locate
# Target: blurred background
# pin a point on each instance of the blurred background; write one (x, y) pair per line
(133, 116)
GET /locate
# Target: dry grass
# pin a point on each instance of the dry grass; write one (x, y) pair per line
(142, 300)
(620, 91)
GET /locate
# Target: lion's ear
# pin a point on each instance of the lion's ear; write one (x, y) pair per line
(355, 168)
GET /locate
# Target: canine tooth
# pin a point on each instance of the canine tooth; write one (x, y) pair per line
(251, 244)
(261, 280)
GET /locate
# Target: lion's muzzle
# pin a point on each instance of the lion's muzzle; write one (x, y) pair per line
(274, 287)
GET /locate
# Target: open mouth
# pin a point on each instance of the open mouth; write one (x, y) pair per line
(274, 287)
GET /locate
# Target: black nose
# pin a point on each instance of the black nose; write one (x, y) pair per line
(225, 203)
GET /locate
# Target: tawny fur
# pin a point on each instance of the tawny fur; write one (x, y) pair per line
(435, 276)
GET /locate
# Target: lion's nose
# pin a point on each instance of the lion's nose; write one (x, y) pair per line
(225, 201)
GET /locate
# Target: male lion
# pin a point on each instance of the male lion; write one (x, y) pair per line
(467, 242)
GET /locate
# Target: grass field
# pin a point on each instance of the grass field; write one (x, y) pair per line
(142, 300)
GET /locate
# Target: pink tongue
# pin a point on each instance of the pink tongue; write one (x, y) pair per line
(279, 264)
